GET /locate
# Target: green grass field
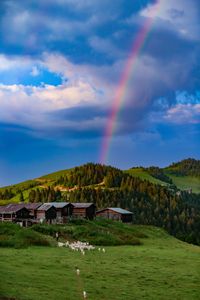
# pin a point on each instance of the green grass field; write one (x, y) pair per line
(162, 268)
(186, 182)
(144, 175)
(56, 175)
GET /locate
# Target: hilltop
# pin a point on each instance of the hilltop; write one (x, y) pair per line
(184, 175)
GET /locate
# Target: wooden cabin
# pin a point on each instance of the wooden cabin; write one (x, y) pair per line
(63, 211)
(116, 213)
(14, 213)
(32, 208)
(84, 210)
(46, 213)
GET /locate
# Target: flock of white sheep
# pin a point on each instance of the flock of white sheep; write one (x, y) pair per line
(79, 246)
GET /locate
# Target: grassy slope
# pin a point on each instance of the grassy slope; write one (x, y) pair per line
(46, 180)
(186, 182)
(16, 198)
(22, 185)
(56, 175)
(182, 182)
(162, 268)
(144, 175)
(98, 232)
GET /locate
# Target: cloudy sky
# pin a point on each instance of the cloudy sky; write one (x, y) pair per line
(61, 63)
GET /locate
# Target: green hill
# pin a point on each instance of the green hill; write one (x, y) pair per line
(148, 192)
(185, 167)
(185, 174)
(161, 268)
(185, 183)
(55, 175)
(143, 174)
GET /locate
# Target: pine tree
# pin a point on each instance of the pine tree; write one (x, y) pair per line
(21, 197)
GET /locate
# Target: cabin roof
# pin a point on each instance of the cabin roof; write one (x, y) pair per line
(45, 206)
(59, 204)
(32, 205)
(82, 205)
(118, 210)
(11, 208)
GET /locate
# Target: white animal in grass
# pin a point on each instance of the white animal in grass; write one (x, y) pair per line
(103, 250)
(84, 295)
(60, 244)
(78, 272)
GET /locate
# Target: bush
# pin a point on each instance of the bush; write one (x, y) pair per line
(12, 235)
(99, 232)
(8, 228)
(46, 229)
(5, 241)
(28, 237)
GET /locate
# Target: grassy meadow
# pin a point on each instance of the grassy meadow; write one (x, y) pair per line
(161, 268)
(144, 175)
(186, 182)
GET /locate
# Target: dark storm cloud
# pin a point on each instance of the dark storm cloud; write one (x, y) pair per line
(33, 27)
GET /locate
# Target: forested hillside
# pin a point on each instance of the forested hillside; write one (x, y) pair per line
(185, 167)
(161, 205)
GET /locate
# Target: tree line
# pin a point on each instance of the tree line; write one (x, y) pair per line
(188, 166)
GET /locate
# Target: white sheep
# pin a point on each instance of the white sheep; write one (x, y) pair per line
(78, 272)
(84, 295)
(79, 246)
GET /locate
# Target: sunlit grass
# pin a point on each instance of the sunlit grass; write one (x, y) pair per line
(162, 268)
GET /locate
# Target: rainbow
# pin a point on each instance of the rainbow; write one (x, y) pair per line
(122, 89)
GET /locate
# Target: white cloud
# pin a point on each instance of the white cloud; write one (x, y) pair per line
(26, 104)
(183, 114)
(180, 15)
(90, 86)
(33, 106)
(13, 62)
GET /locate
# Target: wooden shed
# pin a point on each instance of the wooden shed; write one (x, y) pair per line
(115, 213)
(14, 213)
(32, 208)
(63, 210)
(46, 212)
(84, 210)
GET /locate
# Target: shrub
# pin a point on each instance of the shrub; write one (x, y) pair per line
(28, 237)
(46, 229)
(12, 235)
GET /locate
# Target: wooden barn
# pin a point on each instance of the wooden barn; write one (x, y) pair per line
(32, 208)
(46, 213)
(84, 210)
(63, 210)
(115, 213)
(14, 213)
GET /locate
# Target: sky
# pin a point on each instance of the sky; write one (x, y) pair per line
(61, 64)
